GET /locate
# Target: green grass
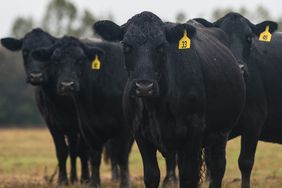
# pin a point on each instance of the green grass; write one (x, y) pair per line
(27, 156)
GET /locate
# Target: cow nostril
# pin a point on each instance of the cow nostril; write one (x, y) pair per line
(144, 85)
(67, 84)
(36, 75)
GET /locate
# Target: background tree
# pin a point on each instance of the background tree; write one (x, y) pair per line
(60, 17)
(259, 14)
(21, 26)
(180, 17)
(85, 26)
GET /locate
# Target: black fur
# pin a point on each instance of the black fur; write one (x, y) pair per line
(179, 100)
(260, 119)
(97, 95)
(58, 112)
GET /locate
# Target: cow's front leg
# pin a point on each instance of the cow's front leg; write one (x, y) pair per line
(170, 177)
(61, 152)
(150, 163)
(215, 151)
(73, 141)
(83, 155)
(190, 156)
(95, 161)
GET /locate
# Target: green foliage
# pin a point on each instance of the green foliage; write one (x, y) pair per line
(180, 17)
(62, 14)
(21, 26)
(17, 104)
(259, 14)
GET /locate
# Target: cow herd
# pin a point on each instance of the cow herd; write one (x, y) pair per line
(181, 89)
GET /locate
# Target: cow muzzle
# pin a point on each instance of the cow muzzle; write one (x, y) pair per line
(145, 88)
(68, 88)
(35, 78)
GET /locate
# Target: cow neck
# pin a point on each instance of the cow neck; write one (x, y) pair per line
(50, 89)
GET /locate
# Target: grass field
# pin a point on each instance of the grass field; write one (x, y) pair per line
(27, 157)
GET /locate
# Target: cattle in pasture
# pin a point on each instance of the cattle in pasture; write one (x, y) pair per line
(93, 74)
(57, 111)
(256, 46)
(185, 91)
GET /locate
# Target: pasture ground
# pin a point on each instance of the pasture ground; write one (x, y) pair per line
(27, 157)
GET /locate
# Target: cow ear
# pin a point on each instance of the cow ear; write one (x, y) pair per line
(261, 27)
(175, 33)
(91, 52)
(42, 54)
(108, 30)
(204, 22)
(12, 44)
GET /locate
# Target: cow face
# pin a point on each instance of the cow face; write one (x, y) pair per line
(144, 43)
(36, 72)
(68, 58)
(241, 33)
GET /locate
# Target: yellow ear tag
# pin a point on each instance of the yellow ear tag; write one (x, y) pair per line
(184, 42)
(96, 64)
(266, 35)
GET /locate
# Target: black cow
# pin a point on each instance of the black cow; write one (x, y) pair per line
(57, 111)
(93, 74)
(178, 100)
(261, 119)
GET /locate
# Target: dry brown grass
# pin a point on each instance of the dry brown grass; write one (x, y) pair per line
(27, 156)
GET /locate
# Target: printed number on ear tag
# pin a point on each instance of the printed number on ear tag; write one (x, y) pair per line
(96, 64)
(266, 35)
(184, 42)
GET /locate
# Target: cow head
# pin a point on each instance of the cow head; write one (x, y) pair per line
(144, 43)
(241, 33)
(36, 72)
(68, 58)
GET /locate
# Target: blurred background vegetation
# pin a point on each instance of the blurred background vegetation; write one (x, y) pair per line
(62, 17)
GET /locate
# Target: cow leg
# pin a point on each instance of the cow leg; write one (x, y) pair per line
(121, 152)
(190, 156)
(207, 170)
(95, 161)
(111, 155)
(62, 154)
(150, 163)
(170, 177)
(115, 171)
(73, 141)
(83, 155)
(215, 156)
(189, 165)
(249, 142)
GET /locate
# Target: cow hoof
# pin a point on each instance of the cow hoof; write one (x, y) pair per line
(84, 180)
(169, 181)
(115, 174)
(63, 182)
(125, 184)
(73, 180)
(94, 185)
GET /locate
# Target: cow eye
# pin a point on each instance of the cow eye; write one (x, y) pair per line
(126, 47)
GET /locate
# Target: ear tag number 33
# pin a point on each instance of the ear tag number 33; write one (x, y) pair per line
(96, 64)
(266, 35)
(184, 42)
